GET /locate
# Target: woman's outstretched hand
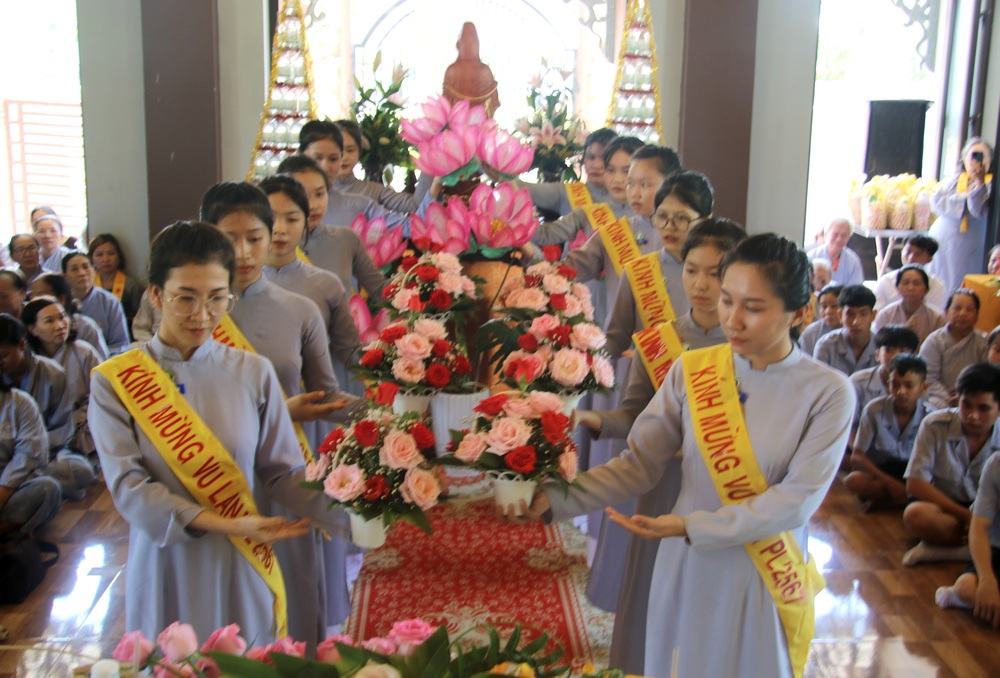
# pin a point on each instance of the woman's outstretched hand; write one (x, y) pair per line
(524, 514)
(660, 527)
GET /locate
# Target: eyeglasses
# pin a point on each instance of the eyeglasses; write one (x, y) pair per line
(187, 304)
(681, 222)
(25, 249)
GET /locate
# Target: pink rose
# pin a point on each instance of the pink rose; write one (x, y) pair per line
(288, 646)
(519, 407)
(133, 647)
(414, 346)
(506, 434)
(580, 291)
(409, 370)
(344, 483)
(327, 650)
(430, 328)
(574, 307)
(529, 297)
(399, 450)
(469, 287)
(401, 302)
(315, 470)
(604, 373)
(542, 325)
(471, 447)
(543, 401)
(588, 309)
(568, 466)
(177, 642)
(227, 640)
(553, 283)
(569, 366)
(410, 634)
(380, 645)
(447, 262)
(420, 487)
(171, 670)
(539, 270)
(450, 283)
(587, 337)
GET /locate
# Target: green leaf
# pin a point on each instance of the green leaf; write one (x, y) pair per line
(377, 62)
(419, 518)
(241, 667)
(515, 638)
(303, 668)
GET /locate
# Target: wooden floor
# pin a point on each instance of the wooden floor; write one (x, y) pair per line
(876, 618)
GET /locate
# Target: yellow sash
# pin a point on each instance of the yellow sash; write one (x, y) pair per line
(302, 256)
(228, 334)
(118, 286)
(195, 456)
(620, 243)
(599, 215)
(578, 194)
(649, 290)
(963, 187)
(722, 437)
(658, 347)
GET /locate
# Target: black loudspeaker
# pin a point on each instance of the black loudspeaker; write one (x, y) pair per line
(896, 137)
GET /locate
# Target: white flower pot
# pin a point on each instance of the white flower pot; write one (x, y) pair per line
(369, 534)
(571, 400)
(452, 411)
(410, 402)
(507, 491)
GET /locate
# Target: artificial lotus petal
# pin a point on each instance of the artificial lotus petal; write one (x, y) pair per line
(502, 152)
(465, 115)
(389, 248)
(508, 213)
(368, 327)
(438, 231)
(447, 152)
(370, 232)
(437, 111)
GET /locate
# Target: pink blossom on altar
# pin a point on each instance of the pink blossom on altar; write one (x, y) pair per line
(383, 245)
(506, 434)
(448, 152)
(227, 639)
(420, 487)
(546, 136)
(502, 152)
(502, 216)
(178, 642)
(436, 113)
(440, 231)
(399, 451)
(409, 634)
(569, 367)
(368, 326)
(133, 647)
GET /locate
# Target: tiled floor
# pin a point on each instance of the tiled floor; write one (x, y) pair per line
(875, 619)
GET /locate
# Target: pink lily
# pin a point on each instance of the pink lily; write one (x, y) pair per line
(502, 152)
(368, 327)
(448, 151)
(439, 230)
(547, 136)
(502, 216)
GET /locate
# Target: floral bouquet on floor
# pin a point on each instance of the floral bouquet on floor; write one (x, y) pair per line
(520, 439)
(431, 284)
(547, 340)
(378, 470)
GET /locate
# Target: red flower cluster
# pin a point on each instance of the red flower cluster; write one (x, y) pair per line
(522, 459)
(554, 426)
(366, 432)
(493, 405)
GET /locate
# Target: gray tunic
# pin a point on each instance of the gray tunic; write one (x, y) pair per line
(105, 309)
(78, 359)
(343, 208)
(941, 456)
(833, 350)
(987, 504)
(959, 253)
(812, 334)
(867, 385)
(45, 381)
(551, 196)
(946, 358)
(849, 270)
(708, 589)
(927, 321)
(88, 331)
(173, 573)
(879, 436)
(53, 262)
(23, 446)
(386, 196)
(886, 292)
(341, 252)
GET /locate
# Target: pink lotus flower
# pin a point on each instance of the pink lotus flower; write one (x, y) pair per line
(547, 136)
(439, 230)
(436, 113)
(501, 216)
(446, 137)
(502, 152)
(383, 245)
(368, 327)
(447, 152)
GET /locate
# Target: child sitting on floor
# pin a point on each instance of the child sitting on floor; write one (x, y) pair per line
(827, 318)
(886, 433)
(850, 348)
(873, 382)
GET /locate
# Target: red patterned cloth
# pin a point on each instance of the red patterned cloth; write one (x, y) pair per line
(477, 570)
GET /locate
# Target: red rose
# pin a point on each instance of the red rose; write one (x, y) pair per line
(566, 271)
(552, 252)
(558, 302)
(390, 291)
(493, 405)
(417, 305)
(438, 375)
(527, 342)
(532, 280)
(560, 335)
(440, 348)
(422, 243)
(440, 300)
(427, 273)
(392, 333)
(331, 441)
(461, 365)
(521, 459)
(408, 262)
(423, 435)
(366, 432)
(554, 426)
(372, 358)
(386, 393)
(375, 488)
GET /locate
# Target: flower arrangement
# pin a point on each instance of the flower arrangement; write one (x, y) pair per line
(377, 112)
(412, 648)
(432, 283)
(384, 245)
(522, 436)
(454, 141)
(556, 135)
(378, 467)
(417, 355)
(547, 339)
